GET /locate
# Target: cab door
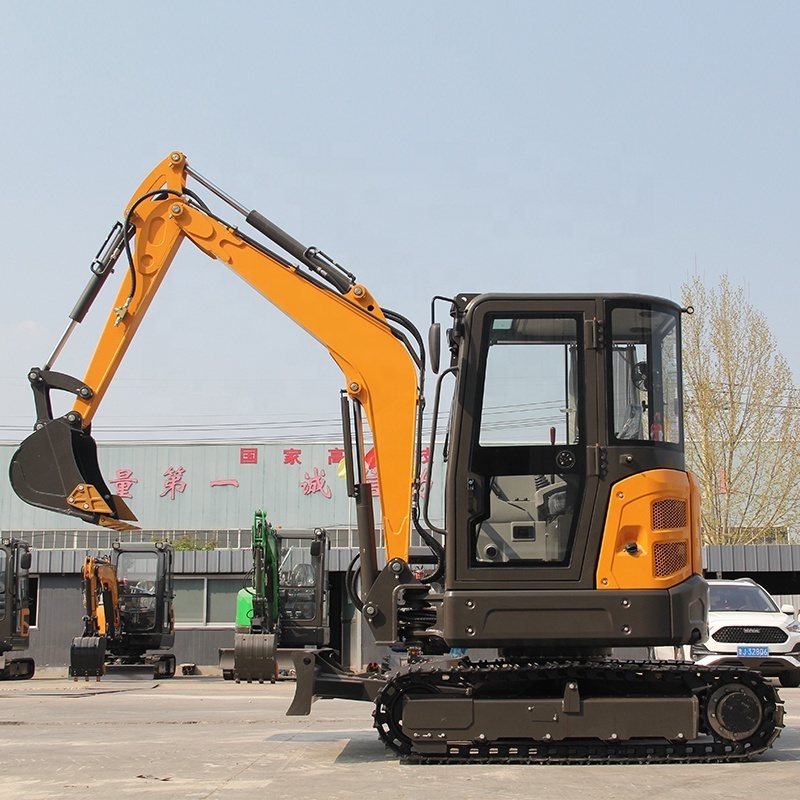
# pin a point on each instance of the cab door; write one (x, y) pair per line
(524, 450)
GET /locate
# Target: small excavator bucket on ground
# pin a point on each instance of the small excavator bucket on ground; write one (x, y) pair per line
(87, 657)
(255, 657)
(56, 468)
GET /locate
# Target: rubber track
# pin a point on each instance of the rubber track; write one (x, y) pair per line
(624, 677)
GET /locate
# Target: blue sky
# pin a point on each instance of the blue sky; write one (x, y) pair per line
(431, 148)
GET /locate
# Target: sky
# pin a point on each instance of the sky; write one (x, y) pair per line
(432, 148)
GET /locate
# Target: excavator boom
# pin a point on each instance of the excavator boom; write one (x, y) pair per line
(56, 467)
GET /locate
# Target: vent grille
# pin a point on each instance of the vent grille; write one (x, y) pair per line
(668, 514)
(669, 558)
(750, 634)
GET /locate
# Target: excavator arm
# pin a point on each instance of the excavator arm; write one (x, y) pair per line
(56, 467)
(100, 598)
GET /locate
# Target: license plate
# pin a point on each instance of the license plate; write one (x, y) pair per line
(752, 652)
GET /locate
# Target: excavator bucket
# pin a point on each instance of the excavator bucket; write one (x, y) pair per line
(56, 468)
(87, 657)
(255, 657)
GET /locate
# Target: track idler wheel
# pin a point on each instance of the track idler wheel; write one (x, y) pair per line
(734, 712)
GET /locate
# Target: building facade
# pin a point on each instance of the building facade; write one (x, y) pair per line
(202, 498)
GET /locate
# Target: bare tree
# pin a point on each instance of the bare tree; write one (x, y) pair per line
(742, 413)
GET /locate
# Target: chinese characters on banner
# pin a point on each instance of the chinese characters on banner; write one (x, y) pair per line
(174, 482)
(123, 482)
(292, 456)
(248, 455)
(316, 483)
(314, 480)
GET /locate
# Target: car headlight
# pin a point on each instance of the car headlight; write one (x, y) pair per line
(793, 626)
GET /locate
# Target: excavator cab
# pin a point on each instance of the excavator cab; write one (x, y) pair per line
(303, 589)
(15, 562)
(566, 488)
(145, 594)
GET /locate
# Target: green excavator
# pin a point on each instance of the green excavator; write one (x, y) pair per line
(284, 607)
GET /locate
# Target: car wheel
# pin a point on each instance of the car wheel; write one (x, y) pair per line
(790, 679)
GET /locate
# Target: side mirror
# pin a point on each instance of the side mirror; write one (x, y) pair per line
(316, 549)
(434, 345)
(788, 609)
(25, 562)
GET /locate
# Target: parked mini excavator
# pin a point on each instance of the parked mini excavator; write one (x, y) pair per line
(15, 561)
(128, 601)
(284, 609)
(571, 526)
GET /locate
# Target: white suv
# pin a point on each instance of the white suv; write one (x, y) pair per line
(747, 629)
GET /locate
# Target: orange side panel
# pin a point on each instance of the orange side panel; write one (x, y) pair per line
(651, 535)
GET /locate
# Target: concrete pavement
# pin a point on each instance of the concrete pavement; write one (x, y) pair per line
(202, 737)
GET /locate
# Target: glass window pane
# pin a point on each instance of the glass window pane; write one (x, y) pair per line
(222, 599)
(531, 520)
(645, 390)
(530, 391)
(190, 600)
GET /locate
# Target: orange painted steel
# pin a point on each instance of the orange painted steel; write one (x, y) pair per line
(379, 371)
(647, 542)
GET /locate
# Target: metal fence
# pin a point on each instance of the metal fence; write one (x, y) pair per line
(231, 539)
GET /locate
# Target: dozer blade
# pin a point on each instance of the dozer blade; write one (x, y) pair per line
(319, 674)
(56, 468)
(152, 666)
(87, 657)
(254, 656)
(18, 669)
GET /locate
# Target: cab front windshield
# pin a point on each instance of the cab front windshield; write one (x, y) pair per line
(137, 574)
(297, 584)
(746, 597)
